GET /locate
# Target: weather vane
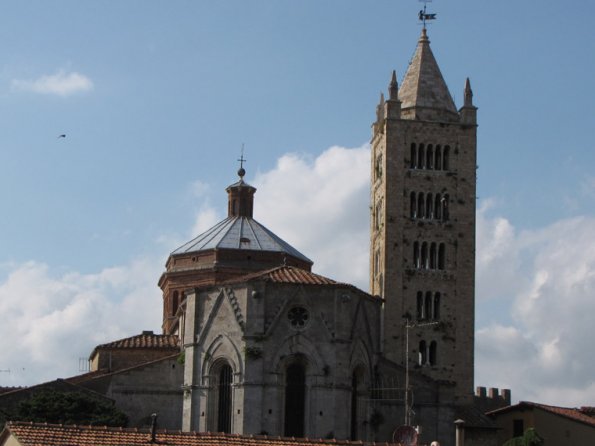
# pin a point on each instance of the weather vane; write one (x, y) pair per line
(423, 15)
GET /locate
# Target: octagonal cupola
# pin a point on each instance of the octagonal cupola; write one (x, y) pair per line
(240, 197)
(236, 246)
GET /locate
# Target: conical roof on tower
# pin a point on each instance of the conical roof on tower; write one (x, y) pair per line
(423, 88)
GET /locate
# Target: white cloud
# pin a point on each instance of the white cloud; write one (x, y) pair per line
(546, 350)
(51, 320)
(321, 207)
(206, 218)
(60, 83)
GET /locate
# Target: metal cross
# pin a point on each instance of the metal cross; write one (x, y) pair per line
(242, 160)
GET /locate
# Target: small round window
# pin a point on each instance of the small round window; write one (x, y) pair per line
(298, 316)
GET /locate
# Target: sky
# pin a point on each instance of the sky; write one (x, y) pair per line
(156, 99)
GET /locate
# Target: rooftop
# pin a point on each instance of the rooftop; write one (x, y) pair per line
(582, 415)
(294, 275)
(239, 232)
(423, 86)
(34, 434)
(147, 339)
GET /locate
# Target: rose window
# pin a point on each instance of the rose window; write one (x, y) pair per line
(298, 316)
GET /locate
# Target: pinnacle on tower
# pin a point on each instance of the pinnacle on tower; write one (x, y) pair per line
(393, 88)
(468, 94)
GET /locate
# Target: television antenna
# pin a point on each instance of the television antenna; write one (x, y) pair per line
(424, 15)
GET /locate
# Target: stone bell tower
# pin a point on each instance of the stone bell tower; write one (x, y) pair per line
(422, 243)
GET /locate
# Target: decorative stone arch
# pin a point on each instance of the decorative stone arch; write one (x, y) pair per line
(222, 347)
(298, 365)
(360, 357)
(297, 344)
(222, 368)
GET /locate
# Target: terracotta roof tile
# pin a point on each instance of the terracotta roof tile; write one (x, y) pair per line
(144, 340)
(581, 415)
(294, 275)
(34, 434)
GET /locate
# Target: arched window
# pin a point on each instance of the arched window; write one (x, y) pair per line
(416, 262)
(433, 259)
(429, 206)
(429, 157)
(437, 206)
(224, 390)
(412, 205)
(441, 256)
(220, 397)
(377, 261)
(175, 302)
(432, 353)
(420, 306)
(420, 205)
(420, 157)
(444, 205)
(412, 161)
(424, 255)
(428, 305)
(295, 400)
(436, 306)
(378, 216)
(445, 158)
(423, 357)
(438, 158)
(379, 166)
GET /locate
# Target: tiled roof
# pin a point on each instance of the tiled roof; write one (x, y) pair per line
(294, 275)
(580, 415)
(35, 434)
(291, 274)
(473, 417)
(144, 340)
(9, 389)
(85, 377)
(239, 233)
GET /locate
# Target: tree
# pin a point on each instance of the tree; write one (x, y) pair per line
(51, 406)
(529, 438)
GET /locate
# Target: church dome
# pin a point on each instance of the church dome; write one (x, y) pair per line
(239, 232)
(234, 247)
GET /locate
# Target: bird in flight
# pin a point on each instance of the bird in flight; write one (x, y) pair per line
(62, 136)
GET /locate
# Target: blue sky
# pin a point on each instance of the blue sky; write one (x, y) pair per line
(156, 99)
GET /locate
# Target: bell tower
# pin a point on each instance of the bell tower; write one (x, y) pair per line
(422, 243)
